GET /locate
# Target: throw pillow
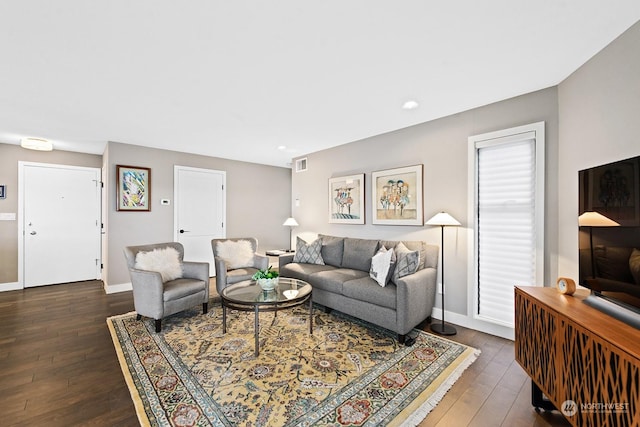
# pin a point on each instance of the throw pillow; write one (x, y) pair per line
(165, 261)
(308, 253)
(380, 265)
(634, 265)
(236, 254)
(407, 262)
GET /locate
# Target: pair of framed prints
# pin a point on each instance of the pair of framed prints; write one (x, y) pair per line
(396, 197)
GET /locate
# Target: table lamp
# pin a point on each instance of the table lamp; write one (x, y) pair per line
(290, 222)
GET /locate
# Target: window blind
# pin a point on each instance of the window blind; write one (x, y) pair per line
(506, 224)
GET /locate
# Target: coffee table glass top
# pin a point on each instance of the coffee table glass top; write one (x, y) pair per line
(249, 292)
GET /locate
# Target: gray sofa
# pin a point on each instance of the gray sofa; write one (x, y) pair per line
(343, 282)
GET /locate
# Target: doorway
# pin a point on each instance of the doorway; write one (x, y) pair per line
(199, 211)
(59, 224)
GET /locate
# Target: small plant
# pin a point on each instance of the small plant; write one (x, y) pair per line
(265, 274)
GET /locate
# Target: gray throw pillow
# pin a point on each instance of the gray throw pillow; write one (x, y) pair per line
(407, 262)
(308, 253)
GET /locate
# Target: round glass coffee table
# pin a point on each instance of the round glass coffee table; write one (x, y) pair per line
(249, 296)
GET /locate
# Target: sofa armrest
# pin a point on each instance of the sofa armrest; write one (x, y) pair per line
(197, 270)
(221, 273)
(416, 294)
(285, 259)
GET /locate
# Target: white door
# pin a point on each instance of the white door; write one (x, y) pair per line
(60, 223)
(199, 211)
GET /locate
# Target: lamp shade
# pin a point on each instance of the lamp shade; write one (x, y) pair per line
(442, 218)
(595, 219)
(291, 222)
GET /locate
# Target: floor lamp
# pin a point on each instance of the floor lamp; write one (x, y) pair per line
(443, 219)
(594, 219)
(290, 222)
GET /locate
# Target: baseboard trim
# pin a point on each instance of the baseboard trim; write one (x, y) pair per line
(12, 286)
(475, 324)
(114, 289)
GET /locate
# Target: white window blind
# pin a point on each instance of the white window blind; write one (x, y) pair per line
(505, 223)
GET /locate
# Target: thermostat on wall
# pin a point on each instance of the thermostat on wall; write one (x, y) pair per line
(165, 202)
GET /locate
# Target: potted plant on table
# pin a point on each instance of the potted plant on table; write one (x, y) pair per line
(267, 279)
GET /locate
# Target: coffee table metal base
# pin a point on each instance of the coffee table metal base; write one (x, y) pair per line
(257, 308)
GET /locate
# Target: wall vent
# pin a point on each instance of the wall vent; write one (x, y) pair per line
(301, 165)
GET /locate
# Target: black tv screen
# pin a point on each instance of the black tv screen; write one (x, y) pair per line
(609, 258)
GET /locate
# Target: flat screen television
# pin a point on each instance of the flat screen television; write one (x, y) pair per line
(609, 259)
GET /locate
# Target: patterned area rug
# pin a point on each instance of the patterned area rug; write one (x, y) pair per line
(348, 373)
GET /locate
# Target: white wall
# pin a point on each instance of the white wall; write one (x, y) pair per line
(599, 123)
(441, 146)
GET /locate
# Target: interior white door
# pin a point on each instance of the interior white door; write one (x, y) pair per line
(60, 223)
(200, 199)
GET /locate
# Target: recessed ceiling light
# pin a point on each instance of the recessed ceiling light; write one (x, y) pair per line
(282, 147)
(410, 105)
(38, 144)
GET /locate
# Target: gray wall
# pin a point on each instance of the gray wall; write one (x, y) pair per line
(441, 146)
(599, 123)
(248, 187)
(10, 155)
(258, 202)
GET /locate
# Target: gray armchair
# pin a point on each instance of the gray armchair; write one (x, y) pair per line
(228, 271)
(157, 299)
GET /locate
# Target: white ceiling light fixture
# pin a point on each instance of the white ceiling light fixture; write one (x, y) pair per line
(410, 105)
(37, 144)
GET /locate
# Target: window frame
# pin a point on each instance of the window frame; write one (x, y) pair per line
(499, 137)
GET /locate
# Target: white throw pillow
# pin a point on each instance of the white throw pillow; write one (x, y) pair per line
(380, 264)
(236, 254)
(165, 261)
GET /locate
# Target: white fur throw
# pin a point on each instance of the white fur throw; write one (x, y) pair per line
(236, 254)
(165, 261)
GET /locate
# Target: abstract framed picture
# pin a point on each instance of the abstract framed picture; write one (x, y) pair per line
(134, 188)
(397, 196)
(346, 199)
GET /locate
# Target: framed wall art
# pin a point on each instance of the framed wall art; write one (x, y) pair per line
(397, 196)
(346, 199)
(133, 188)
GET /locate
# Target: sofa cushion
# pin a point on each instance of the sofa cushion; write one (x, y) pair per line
(358, 253)
(302, 271)
(406, 262)
(235, 253)
(308, 253)
(613, 263)
(634, 265)
(332, 249)
(333, 280)
(165, 261)
(366, 289)
(381, 264)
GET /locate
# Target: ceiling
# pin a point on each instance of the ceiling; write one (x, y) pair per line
(243, 79)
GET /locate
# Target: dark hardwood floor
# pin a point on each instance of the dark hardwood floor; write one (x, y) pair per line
(58, 367)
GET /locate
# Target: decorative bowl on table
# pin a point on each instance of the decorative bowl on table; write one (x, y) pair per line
(268, 284)
(267, 279)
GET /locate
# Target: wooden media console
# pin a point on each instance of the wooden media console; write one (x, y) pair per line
(584, 361)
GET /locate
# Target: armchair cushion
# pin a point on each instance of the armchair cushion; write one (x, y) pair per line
(165, 261)
(236, 254)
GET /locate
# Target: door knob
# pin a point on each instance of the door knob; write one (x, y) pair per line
(33, 233)
(183, 231)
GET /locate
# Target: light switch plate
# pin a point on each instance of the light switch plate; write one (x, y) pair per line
(7, 216)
